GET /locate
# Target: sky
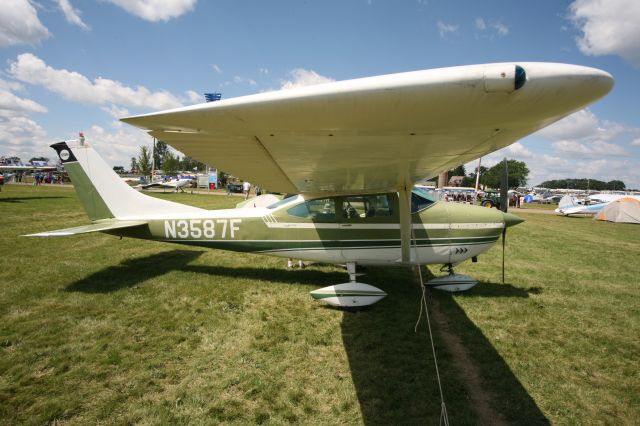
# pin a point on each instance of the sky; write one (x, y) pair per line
(68, 65)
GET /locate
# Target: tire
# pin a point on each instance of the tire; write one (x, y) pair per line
(487, 204)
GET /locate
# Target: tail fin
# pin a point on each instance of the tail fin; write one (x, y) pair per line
(101, 191)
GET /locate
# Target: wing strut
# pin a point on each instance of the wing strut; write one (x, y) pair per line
(405, 223)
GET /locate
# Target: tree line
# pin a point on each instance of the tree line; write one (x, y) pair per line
(490, 177)
(162, 159)
(584, 184)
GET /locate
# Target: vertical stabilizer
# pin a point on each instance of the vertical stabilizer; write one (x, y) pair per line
(101, 191)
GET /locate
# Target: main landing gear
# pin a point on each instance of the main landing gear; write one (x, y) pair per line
(349, 295)
(452, 282)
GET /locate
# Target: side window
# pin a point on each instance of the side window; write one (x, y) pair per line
(419, 201)
(363, 206)
(321, 210)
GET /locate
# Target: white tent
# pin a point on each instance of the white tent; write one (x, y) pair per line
(624, 210)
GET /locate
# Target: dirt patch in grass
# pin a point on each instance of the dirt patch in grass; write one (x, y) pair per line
(480, 396)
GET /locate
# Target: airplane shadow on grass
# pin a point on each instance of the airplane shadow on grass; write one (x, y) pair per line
(23, 199)
(392, 367)
(134, 271)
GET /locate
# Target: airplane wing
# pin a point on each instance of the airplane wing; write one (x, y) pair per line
(94, 227)
(379, 133)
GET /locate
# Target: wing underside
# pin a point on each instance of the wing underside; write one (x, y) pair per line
(379, 133)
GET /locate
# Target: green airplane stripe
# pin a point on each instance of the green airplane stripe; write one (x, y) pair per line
(284, 246)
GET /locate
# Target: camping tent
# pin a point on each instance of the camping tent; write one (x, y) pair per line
(624, 210)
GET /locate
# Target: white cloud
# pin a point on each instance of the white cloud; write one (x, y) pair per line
(71, 14)
(301, 77)
(74, 86)
(553, 167)
(216, 69)
(19, 23)
(264, 71)
(444, 29)
(11, 102)
(116, 112)
(21, 137)
(119, 146)
(242, 80)
(492, 28)
(583, 135)
(609, 27)
(593, 149)
(156, 10)
(575, 126)
(586, 127)
(586, 146)
(194, 97)
(517, 150)
(502, 29)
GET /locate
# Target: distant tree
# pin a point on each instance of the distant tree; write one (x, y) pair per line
(472, 176)
(458, 171)
(170, 164)
(144, 161)
(118, 169)
(518, 174)
(159, 154)
(134, 165)
(616, 185)
(188, 164)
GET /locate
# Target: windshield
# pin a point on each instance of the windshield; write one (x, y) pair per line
(420, 199)
(282, 202)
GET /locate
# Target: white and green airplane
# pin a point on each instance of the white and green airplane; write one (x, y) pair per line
(352, 150)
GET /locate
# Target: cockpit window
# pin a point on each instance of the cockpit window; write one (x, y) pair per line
(281, 202)
(420, 200)
(320, 210)
(363, 206)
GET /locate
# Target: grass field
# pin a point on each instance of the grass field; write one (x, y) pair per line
(100, 330)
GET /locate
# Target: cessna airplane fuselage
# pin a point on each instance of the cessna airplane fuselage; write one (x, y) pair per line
(362, 228)
(324, 230)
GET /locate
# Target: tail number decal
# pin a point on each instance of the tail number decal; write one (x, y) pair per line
(195, 229)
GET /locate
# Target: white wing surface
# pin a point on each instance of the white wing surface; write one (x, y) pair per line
(378, 133)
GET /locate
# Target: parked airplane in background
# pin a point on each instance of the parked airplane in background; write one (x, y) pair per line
(592, 204)
(175, 184)
(569, 205)
(353, 149)
(28, 167)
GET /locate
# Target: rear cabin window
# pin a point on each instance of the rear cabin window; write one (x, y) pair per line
(364, 206)
(321, 210)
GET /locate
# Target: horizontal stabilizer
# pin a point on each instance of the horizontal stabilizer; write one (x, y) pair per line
(94, 227)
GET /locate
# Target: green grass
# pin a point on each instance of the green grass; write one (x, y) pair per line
(95, 329)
